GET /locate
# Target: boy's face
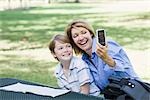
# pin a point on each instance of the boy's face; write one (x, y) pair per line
(63, 51)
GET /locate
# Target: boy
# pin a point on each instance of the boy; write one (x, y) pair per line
(72, 73)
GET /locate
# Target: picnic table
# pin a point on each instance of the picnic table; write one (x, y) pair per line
(9, 95)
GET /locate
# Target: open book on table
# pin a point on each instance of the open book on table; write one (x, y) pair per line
(39, 90)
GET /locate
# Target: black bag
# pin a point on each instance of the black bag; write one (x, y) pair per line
(126, 89)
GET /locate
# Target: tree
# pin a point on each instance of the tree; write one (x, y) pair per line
(21, 3)
(9, 1)
(77, 1)
(49, 1)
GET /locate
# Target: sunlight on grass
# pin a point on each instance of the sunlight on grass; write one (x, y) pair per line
(51, 69)
(37, 71)
(6, 45)
(137, 45)
(122, 6)
(24, 28)
(30, 24)
(126, 24)
(6, 67)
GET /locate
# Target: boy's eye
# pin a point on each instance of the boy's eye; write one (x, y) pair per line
(60, 48)
(69, 46)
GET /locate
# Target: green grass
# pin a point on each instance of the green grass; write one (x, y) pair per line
(33, 28)
(37, 25)
(27, 69)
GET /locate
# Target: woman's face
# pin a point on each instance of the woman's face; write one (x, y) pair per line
(82, 38)
(63, 51)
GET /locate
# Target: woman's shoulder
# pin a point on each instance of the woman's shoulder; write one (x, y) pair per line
(112, 42)
(113, 46)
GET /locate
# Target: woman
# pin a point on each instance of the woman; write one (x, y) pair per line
(103, 61)
(72, 73)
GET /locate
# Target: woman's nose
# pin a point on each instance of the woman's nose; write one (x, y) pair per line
(80, 37)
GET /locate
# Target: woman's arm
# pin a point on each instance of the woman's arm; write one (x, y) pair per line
(103, 54)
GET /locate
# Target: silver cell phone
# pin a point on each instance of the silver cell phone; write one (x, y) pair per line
(101, 36)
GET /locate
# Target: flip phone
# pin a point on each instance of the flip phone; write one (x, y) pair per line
(101, 36)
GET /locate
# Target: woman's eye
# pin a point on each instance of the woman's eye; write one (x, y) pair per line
(84, 32)
(74, 36)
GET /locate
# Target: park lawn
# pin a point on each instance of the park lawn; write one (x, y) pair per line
(25, 68)
(32, 28)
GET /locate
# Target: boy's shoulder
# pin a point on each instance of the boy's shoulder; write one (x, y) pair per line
(77, 60)
(58, 69)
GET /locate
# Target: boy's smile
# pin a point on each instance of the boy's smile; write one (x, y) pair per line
(63, 51)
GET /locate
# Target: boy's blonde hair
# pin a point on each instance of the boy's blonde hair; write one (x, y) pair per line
(60, 38)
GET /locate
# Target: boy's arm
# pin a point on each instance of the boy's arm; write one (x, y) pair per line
(85, 88)
(83, 76)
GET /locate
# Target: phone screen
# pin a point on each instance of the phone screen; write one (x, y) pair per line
(101, 37)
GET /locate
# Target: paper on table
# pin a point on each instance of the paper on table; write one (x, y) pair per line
(39, 90)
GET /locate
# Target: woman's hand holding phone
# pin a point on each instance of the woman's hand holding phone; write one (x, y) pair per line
(103, 54)
(102, 48)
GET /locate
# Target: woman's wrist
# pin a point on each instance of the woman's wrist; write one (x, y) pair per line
(110, 61)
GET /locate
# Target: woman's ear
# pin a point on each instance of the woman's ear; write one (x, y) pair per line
(91, 35)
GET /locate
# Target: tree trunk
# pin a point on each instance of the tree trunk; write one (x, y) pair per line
(9, 4)
(21, 3)
(77, 1)
(49, 1)
(67, 0)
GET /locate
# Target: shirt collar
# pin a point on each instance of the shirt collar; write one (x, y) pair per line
(94, 45)
(85, 56)
(59, 69)
(72, 63)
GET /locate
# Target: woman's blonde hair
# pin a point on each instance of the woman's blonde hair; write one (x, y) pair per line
(78, 23)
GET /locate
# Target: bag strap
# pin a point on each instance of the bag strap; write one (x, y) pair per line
(121, 97)
(133, 88)
(145, 85)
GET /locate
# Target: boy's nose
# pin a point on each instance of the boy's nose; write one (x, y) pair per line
(66, 49)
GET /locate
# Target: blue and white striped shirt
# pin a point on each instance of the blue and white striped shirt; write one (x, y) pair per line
(79, 75)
